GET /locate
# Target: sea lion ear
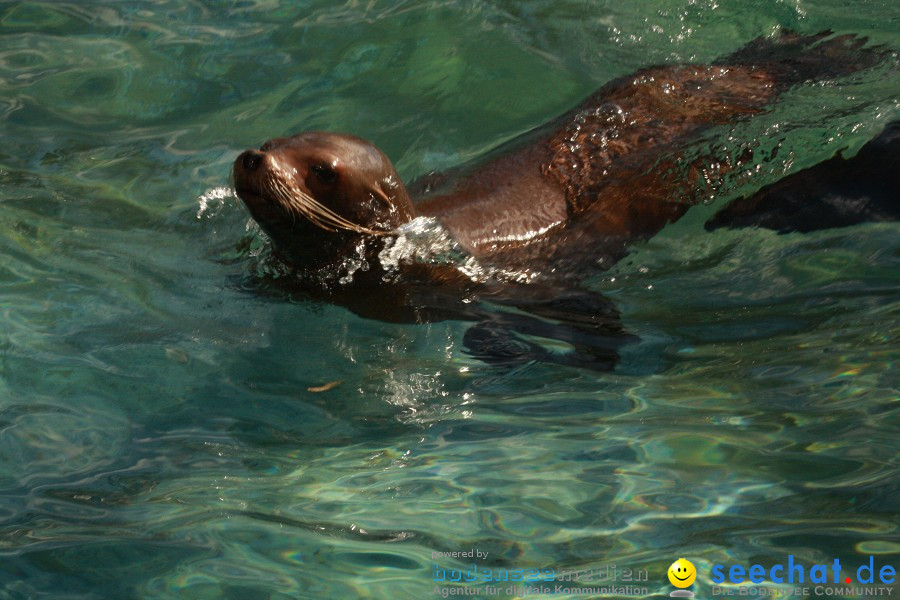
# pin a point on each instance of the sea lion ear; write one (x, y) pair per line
(389, 194)
(380, 194)
(383, 203)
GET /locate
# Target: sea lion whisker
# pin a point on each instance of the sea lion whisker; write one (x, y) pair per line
(295, 201)
(326, 215)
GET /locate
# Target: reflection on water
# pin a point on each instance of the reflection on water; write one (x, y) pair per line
(158, 438)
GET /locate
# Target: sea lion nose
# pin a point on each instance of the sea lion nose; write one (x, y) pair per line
(251, 160)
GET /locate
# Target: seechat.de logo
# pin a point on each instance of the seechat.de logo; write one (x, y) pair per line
(796, 573)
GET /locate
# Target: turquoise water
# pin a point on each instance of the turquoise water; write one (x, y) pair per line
(158, 438)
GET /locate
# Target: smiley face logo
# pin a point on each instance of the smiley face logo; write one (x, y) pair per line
(682, 573)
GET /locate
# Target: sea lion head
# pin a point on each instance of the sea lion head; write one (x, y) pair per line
(318, 194)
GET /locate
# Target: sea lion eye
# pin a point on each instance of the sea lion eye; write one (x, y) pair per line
(325, 173)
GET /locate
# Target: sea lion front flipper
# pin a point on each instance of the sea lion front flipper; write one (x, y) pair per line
(586, 322)
(835, 193)
(499, 343)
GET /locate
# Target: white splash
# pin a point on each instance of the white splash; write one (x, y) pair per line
(425, 240)
(212, 201)
(354, 263)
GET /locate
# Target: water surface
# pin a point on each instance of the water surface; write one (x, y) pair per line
(157, 435)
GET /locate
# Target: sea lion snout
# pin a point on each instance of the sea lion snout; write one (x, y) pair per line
(249, 172)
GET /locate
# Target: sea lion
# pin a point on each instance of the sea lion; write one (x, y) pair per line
(587, 184)
(318, 195)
